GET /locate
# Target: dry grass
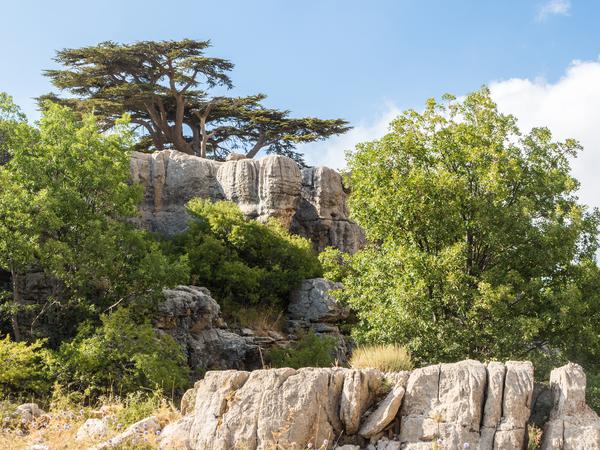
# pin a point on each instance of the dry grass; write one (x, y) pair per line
(57, 428)
(259, 319)
(385, 357)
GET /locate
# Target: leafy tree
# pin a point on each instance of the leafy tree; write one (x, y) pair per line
(122, 355)
(480, 247)
(64, 198)
(11, 118)
(165, 88)
(25, 368)
(244, 261)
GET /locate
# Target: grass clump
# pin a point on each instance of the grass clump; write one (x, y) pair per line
(385, 357)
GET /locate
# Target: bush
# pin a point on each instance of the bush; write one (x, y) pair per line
(593, 391)
(24, 368)
(310, 351)
(121, 356)
(385, 357)
(241, 260)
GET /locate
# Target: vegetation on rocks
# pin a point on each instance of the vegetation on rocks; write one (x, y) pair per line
(385, 357)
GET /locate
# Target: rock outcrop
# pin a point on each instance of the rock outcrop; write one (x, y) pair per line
(460, 405)
(573, 424)
(312, 308)
(193, 318)
(311, 202)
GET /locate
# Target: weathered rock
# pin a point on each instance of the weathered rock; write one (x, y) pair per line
(322, 215)
(311, 302)
(193, 318)
(573, 424)
(133, 435)
(311, 203)
(361, 388)
(541, 404)
(384, 414)
(176, 435)
(170, 180)
(444, 401)
(92, 429)
(27, 412)
(461, 405)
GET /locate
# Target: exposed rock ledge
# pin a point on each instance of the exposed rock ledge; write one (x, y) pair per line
(311, 202)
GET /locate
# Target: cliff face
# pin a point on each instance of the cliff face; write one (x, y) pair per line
(310, 202)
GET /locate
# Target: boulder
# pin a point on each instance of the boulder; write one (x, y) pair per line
(27, 412)
(311, 302)
(573, 424)
(132, 436)
(384, 414)
(92, 429)
(193, 318)
(361, 388)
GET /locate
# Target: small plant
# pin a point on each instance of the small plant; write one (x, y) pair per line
(385, 357)
(310, 351)
(534, 437)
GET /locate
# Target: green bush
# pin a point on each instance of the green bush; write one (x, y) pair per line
(24, 368)
(593, 391)
(121, 356)
(309, 351)
(243, 260)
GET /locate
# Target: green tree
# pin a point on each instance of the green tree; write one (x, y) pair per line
(11, 118)
(479, 245)
(64, 200)
(165, 88)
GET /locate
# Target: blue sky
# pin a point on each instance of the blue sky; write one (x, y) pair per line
(360, 60)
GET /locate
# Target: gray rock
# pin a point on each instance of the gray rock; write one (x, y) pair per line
(92, 429)
(322, 215)
(311, 302)
(311, 203)
(132, 436)
(193, 318)
(384, 414)
(573, 424)
(27, 412)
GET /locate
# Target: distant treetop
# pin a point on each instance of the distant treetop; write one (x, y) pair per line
(165, 87)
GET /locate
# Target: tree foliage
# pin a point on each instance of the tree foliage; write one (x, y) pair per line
(480, 246)
(241, 260)
(166, 89)
(64, 200)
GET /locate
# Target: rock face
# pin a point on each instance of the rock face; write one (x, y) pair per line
(322, 214)
(460, 405)
(312, 308)
(573, 424)
(193, 318)
(311, 202)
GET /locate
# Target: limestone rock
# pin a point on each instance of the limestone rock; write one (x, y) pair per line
(92, 429)
(235, 157)
(311, 203)
(28, 412)
(311, 302)
(322, 215)
(193, 318)
(176, 435)
(132, 435)
(361, 388)
(384, 414)
(573, 424)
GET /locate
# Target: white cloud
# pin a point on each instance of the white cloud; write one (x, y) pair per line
(553, 8)
(569, 107)
(331, 153)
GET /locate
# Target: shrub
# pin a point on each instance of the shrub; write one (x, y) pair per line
(122, 356)
(310, 351)
(593, 391)
(24, 368)
(385, 357)
(242, 260)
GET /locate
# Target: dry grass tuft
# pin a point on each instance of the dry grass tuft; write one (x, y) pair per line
(385, 357)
